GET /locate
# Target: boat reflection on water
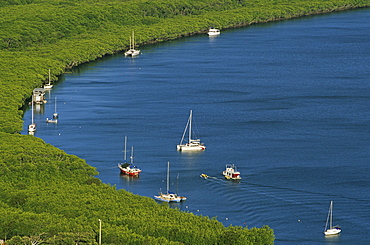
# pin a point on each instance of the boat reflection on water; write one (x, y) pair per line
(39, 109)
(127, 179)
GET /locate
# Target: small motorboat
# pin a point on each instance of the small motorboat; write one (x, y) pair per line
(213, 32)
(204, 176)
(231, 173)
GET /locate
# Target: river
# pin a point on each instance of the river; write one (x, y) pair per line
(286, 102)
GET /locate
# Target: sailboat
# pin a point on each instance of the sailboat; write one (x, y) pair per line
(169, 196)
(129, 168)
(329, 222)
(132, 51)
(193, 144)
(55, 114)
(32, 126)
(48, 85)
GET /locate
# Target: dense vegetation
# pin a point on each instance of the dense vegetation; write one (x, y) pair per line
(50, 196)
(47, 193)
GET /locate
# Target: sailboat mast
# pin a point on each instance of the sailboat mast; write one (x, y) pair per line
(168, 177)
(132, 155)
(331, 215)
(183, 135)
(190, 119)
(32, 112)
(124, 155)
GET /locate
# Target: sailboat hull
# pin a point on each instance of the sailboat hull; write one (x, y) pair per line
(333, 231)
(168, 198)
(51, 120)
(128, 172)
(32, 127)
(48, 86)
(191, 147)
(129, 169)
(132, 52)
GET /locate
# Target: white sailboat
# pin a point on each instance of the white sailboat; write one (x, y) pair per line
(32, 126)
(329, 229)
(55, 114)
(193, 144)
(169, 196)
(48, 85)
(132, 51)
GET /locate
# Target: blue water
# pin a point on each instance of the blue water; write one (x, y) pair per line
(286, 102)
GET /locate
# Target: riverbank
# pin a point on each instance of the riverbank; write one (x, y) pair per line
(28, 55)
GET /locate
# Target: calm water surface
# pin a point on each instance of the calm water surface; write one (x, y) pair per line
(287, 102)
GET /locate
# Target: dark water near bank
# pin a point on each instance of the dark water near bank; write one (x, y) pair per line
(287, 102)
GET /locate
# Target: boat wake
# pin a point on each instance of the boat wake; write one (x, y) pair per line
(205, 176)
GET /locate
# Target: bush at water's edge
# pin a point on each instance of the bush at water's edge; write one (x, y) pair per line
(47, 194)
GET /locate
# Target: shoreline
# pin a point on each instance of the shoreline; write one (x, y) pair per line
(204, 31)
(70, 52)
